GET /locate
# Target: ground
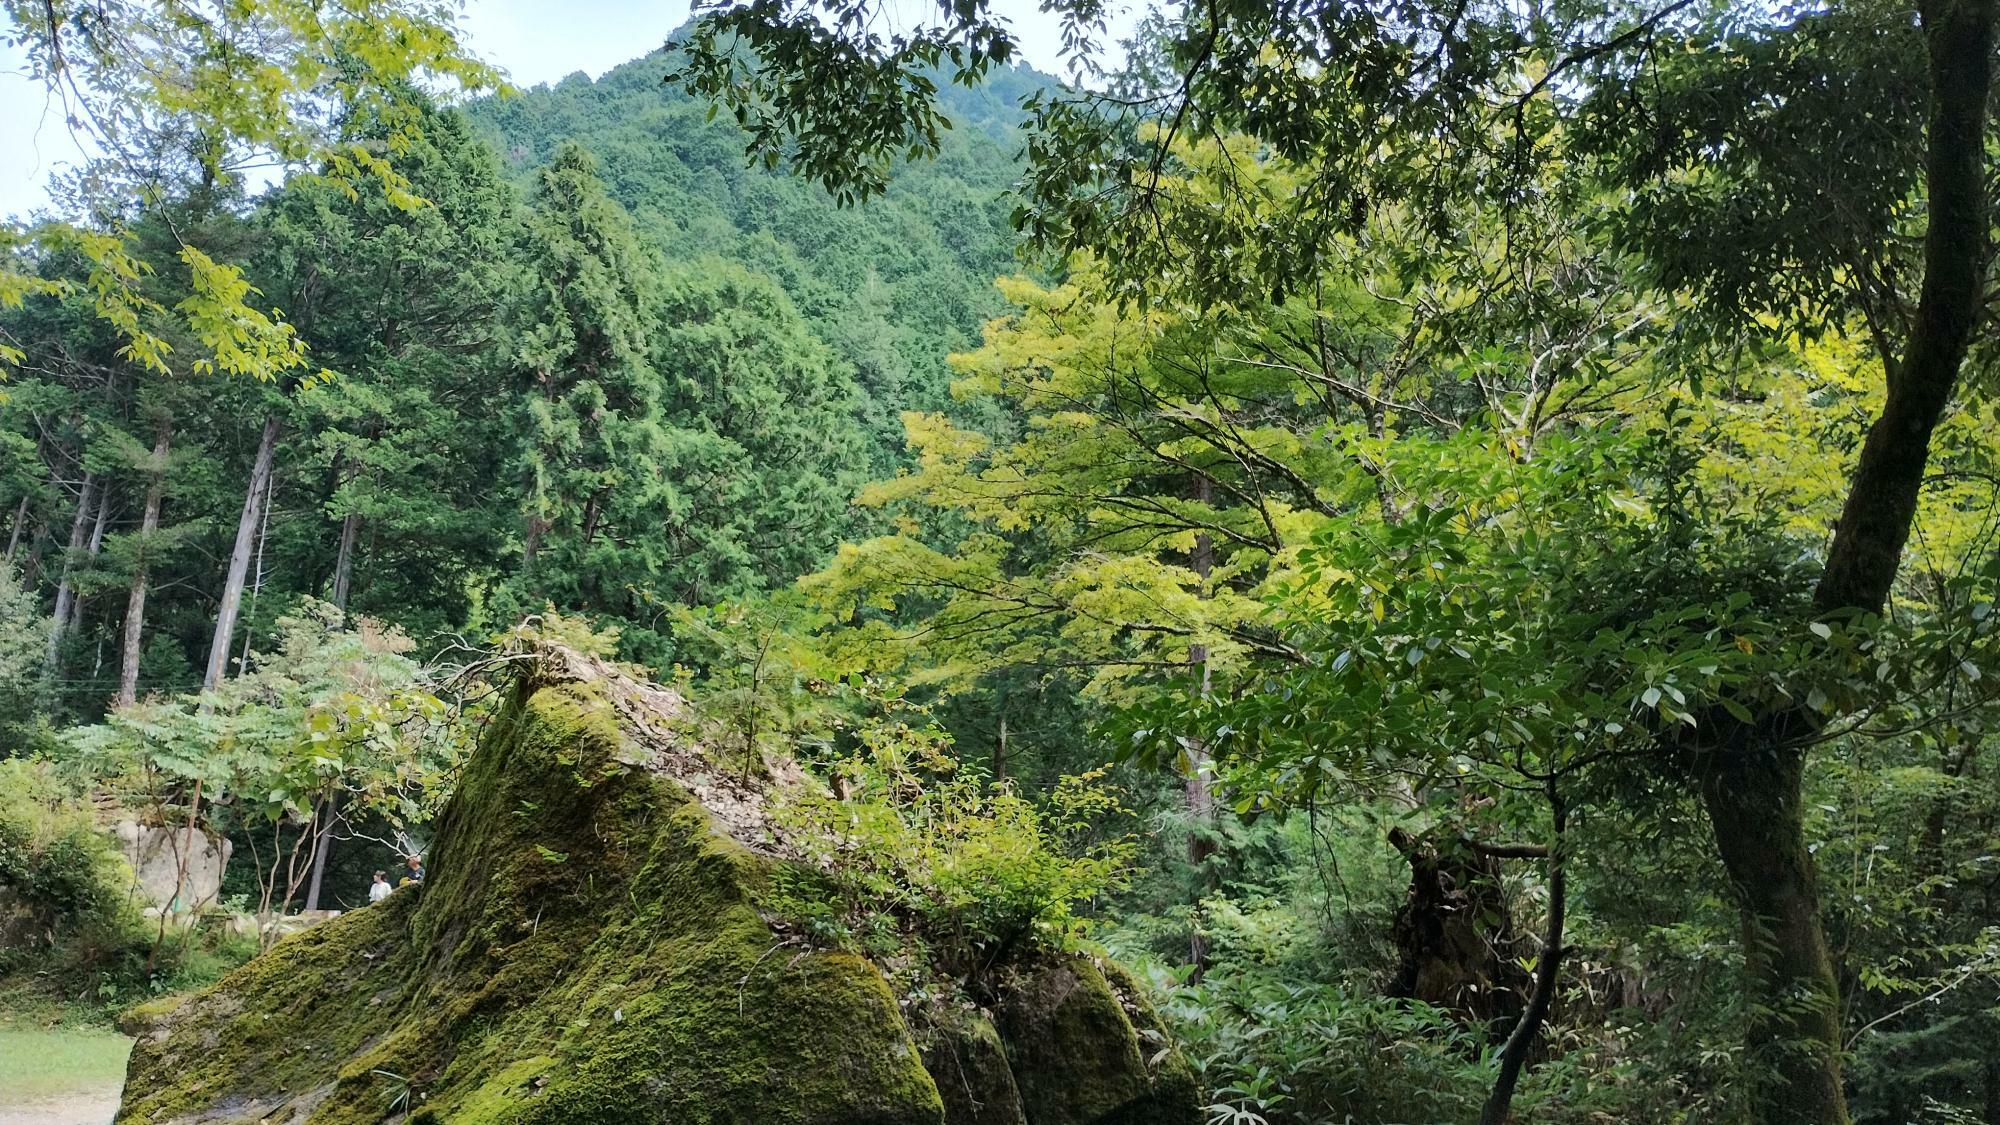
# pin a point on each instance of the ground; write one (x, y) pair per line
(58, 1071)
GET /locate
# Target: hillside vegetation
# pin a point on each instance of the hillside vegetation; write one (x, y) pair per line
(1459, 541)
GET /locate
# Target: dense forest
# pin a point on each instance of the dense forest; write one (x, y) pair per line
(1458, 542)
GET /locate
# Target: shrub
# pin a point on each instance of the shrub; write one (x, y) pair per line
(70, 921)
(1272, 1053)
(65, 890)
(909, 848)
(1269, 1052)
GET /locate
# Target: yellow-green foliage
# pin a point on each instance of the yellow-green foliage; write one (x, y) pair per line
(250, 76)
(914, 847)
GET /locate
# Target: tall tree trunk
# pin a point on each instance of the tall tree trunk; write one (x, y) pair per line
(98, 525)
(1755, 802)
(37, 539)
(1200, 796)
(343, 563)
(531, 544)
(254, 498)
(257, 581)
(1000, 753)
(135, 600)
(65, 595)
(322, 847)
(1752, 784)
(20, 521)
(592, 509)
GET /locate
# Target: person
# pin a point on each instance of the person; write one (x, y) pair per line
(416, 872)
(380, 888)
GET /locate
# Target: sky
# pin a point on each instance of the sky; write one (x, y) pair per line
(535, 41)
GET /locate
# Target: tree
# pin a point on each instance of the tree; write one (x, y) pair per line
(1930, 147)
(685, 437)
(337, 724)
(149, 529)
(593, 438)
(163, 91)
(408, 307)
(1358, 96)
(776, 415)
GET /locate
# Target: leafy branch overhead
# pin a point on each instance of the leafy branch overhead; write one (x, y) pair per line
(161, 92)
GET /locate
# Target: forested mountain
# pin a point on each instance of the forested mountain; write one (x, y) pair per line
(476, 432)
(892, 287)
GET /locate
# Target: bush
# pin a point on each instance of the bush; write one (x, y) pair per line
(66, 907)
(908, 849)
(1272, 1053)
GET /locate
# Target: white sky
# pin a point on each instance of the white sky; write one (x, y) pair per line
(535, 41)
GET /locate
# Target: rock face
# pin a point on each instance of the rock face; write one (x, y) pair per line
(588, 950)
(154, 852)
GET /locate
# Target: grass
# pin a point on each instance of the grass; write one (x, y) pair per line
(51, 1051)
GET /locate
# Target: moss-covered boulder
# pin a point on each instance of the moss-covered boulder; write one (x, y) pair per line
(588, 949)
(1086, 1049)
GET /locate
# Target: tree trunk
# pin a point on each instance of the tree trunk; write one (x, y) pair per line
(135, 601)
(1755, 803)
(31, 570)
(1752, 785)
(1882, 497)
(90, 553)
(257, 583)
(1200, 796)
(531, 544)
(1454, 934)
(1000, 754)
(1548, 968)
(343, 563)
(321, 849)
(592, 509)
(1993, 1090)
(65, 595)
(254, 498)
(20, 521)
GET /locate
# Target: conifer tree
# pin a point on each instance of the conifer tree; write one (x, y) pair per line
(404, 305)
(590, 426)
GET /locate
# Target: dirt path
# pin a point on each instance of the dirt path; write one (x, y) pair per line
(84, 1107)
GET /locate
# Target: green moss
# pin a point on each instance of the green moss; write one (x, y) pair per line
(588, 950)
(585, 950)
(1074, 1055)
(502, 1097)
(1175, 1094)
(966, 1059)
(1078, 1058)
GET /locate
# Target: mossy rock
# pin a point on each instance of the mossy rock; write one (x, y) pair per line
(587, 949)
(1087, 1051)
(967, 1061)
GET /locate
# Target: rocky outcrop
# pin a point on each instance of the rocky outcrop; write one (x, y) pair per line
(588, 949)
(156, 854)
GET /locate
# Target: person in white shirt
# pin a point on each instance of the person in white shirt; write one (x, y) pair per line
(380, 888)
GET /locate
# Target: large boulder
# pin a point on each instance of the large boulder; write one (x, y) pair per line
(588, 949)
(173, 868)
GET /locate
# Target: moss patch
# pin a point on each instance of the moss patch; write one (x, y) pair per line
(969, 1065)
